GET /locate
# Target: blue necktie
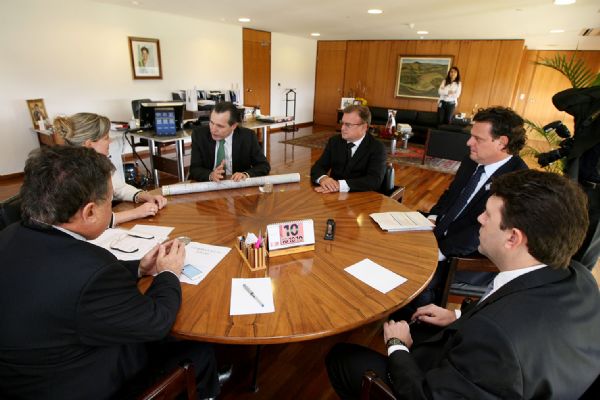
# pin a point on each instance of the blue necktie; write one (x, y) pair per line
(442, 224)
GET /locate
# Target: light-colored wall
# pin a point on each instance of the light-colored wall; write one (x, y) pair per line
(75, 56)
(293, 63)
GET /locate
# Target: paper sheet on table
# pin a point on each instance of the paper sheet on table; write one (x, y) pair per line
(242, 303)
(204, 257)
(375, 275)
(114, 238)
(158, 231)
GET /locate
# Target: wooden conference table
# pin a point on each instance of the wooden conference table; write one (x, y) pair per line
(314, 297)
(177, 167)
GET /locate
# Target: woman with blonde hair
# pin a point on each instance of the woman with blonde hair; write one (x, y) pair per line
(91, 130)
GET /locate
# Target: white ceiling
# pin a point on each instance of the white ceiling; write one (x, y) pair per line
(531, 20)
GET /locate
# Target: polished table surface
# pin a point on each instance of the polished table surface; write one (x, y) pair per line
(314, 297)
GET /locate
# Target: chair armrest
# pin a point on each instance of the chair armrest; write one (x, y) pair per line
(373, 387)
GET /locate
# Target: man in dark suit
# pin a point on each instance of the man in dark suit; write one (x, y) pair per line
(497, 137)
(534, 335)
(226, 149)
(74, 323)
(354, 160)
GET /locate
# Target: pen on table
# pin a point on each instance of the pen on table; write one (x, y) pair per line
(252, 294)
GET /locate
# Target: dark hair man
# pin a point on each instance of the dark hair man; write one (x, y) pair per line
(534, 335)
(354, 160)
(74, 323)
(226, 149)
(497, 136)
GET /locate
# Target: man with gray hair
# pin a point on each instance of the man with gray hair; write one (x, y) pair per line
(74, 322)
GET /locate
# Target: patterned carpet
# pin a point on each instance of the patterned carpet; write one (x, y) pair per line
(411, 156)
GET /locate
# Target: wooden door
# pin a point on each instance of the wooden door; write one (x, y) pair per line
(257, 69)
(329, 82)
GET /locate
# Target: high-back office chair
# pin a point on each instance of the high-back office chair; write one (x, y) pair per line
(10, 211)
(181, 380)
(458, 293)
(387, 186)
(374, 388)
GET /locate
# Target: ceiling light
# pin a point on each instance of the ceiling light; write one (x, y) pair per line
(244, 19)
(375, 11)
(557, 31)
(563, 2)
(422, 32)
(315, 34)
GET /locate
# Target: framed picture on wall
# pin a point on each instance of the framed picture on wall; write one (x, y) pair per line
(421, 77)
(145, 58)
(37, 111)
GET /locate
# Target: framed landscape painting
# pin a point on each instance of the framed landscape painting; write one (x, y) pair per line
(420, 77)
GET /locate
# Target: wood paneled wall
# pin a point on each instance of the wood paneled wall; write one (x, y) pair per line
(489, 70)
(537, 84)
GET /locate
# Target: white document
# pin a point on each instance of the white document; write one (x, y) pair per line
(204, 257)
(125, 246)
(157, 231)
(242, 301)
(402, 221)
(195, 187)
(375, 275)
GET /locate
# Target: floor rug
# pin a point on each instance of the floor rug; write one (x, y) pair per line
(411, 156)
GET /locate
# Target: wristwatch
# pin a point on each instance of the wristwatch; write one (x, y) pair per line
(394, 342)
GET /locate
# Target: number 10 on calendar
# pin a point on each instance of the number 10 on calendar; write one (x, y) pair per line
(290, 234)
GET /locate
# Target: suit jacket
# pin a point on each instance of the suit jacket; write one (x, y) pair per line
(535, 337)
(365, 170)
(462, 236)
(73, 319)
(247, 155)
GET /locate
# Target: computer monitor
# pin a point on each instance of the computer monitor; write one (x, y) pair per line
(148, 113)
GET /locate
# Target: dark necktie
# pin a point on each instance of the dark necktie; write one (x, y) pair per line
(349, 147)
(442, 224)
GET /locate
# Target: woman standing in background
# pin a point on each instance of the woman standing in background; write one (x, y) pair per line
(449, 91)
(91, 130)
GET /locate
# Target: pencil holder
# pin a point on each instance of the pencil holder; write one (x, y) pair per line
(255, 258)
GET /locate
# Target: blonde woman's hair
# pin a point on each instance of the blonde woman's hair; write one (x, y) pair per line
(79, 128)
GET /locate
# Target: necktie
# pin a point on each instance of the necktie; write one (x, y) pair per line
(488, 290)
(349, 147)
(220, 152)
(442, 225)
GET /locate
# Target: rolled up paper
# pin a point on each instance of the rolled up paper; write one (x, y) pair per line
(196, 187)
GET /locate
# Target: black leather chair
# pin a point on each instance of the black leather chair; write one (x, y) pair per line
(10, 211)
(180, 381)
(387, 186)
(374, 388)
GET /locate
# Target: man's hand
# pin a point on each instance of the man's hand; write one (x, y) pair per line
(218, 173)
(328, 185)
(434, 315)
(239, 176)
(398, 330)
(155, 199)
(171, 257)
(148, 262)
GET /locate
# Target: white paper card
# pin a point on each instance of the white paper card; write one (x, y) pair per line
(242, 302)
(113, 239)
(204, 257)
(157, 231)
(375, 275)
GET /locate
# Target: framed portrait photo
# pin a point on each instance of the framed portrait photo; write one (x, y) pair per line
(37, 111)
(346, 101)
(421, 77)
(145, 58)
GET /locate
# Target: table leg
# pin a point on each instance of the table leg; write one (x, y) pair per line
(152, 148)
(264, 129)
(254, 386)
(180, 167)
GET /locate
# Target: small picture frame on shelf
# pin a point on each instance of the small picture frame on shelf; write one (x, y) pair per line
(346, 101)
(37, 111)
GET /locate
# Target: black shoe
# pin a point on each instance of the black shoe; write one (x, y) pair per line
(225, 374)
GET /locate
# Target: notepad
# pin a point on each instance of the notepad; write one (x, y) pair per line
(243, 303)
(375, 275)
(402, 221)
